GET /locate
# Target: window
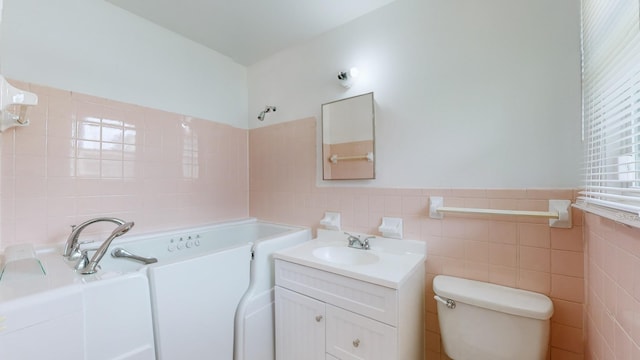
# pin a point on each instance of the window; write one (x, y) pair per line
(611, 108)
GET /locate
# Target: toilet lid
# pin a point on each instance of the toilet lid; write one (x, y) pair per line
(494, 297)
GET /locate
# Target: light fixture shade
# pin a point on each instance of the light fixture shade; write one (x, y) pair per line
(346, 78)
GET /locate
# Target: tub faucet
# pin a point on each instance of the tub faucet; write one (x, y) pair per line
(72, 247)
(90, 268)
(356, 243)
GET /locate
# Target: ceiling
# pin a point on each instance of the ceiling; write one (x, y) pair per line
(249, 30)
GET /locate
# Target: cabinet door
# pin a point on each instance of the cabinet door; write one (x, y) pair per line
(355, 337)
(300, 326)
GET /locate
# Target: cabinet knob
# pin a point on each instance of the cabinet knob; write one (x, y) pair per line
(356, 342)
(318, 318)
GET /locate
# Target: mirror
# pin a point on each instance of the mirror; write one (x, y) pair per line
(348, 138)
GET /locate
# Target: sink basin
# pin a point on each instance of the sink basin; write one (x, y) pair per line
(388, 262)
(344, 255)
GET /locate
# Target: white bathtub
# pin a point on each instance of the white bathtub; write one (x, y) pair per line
(64, 315)
(201, 276)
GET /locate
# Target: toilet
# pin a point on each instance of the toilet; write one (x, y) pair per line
(482, 321)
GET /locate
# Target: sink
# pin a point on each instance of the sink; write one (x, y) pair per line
(388, 262)
(344, 255)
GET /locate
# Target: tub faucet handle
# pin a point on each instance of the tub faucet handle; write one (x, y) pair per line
(84, 259)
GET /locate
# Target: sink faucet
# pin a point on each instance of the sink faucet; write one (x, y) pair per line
(72, 247)
(90, 268)
(356, 243)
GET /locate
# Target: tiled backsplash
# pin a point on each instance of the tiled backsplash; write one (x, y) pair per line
(514, 251)
(83, 157)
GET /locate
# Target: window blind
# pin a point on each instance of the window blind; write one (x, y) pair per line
(611, 108)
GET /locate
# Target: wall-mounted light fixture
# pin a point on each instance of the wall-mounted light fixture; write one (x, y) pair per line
(347, 78)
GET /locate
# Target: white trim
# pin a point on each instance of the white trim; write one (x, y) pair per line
(622, 217)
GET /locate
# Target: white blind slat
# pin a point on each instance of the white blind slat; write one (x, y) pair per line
(611, 104)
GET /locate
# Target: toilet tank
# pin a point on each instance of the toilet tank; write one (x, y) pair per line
(491, 322)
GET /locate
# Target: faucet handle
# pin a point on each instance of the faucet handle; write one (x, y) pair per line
(74, 252)
(84, 260)
(365, 242)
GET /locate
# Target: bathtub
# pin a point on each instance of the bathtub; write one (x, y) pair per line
(207, 283)
(211, 288)
(64, 315)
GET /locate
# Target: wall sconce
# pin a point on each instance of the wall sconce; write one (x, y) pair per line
(347, 78)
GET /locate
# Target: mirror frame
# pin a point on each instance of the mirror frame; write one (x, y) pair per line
(373, 138)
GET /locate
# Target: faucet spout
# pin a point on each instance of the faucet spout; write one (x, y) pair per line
(72, 246)
(119, 231)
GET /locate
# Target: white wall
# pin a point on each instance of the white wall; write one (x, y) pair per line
(93, 47)
(469, 94)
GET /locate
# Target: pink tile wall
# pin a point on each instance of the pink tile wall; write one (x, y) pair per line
(612, 266)
(83, 157)
(519, 252)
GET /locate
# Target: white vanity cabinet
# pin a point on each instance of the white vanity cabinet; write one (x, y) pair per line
(352, 336)
(323, 315)
(300, 321)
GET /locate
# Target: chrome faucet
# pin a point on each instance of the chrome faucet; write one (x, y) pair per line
(90, 268)
(356, 243)
(72, 247)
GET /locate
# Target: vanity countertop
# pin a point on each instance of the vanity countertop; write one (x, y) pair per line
(388, 262)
